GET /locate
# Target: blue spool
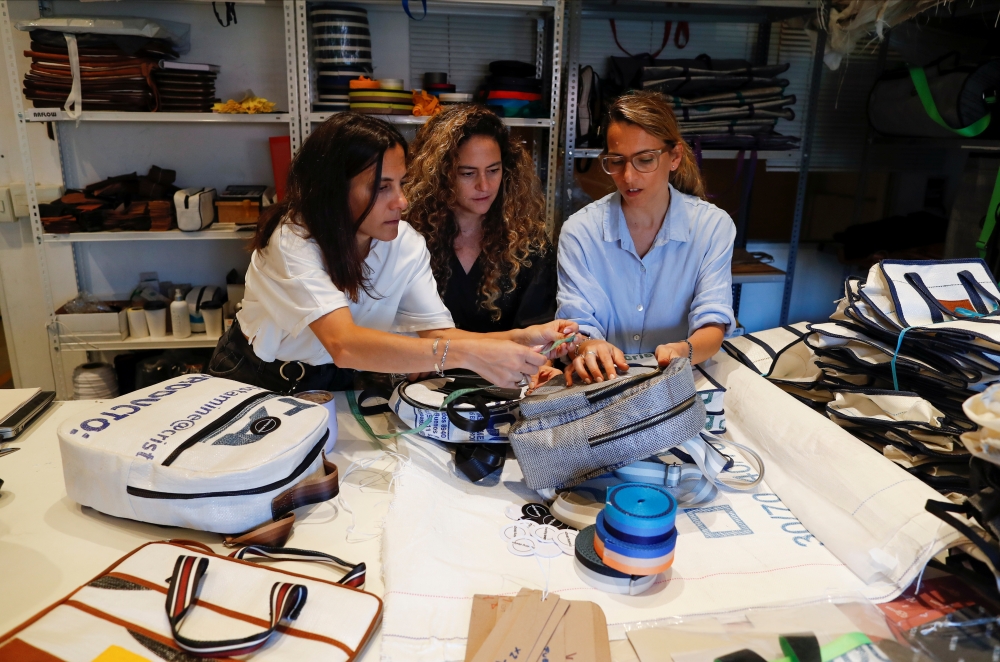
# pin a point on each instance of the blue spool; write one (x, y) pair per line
(640, 509)
(635, 550)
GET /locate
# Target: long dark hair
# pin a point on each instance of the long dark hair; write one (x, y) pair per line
(318, 193)
(514, 227)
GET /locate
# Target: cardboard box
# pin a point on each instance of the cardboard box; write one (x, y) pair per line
(93, 327)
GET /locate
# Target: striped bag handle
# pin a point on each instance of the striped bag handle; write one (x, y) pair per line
(355, 577)
(286, 601)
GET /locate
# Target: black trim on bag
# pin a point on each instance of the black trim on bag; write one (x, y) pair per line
(222, 421)
(263, 489)
(614, 389)
(639, 426)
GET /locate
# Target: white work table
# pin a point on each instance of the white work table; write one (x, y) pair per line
(50, 545)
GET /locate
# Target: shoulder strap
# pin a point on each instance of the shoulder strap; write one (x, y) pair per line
(990, 222)
(919, 78)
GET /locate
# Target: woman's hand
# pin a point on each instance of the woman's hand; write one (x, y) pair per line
(670, 351)
(545, 373)
(502, 362)
(591, 356)
(545, 334)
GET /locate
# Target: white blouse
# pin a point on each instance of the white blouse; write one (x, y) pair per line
(288, 288)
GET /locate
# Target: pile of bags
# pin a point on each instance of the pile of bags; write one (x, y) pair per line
(906, 347)
(125, 202)
(512, 90)
(719, 104)
(112, 77)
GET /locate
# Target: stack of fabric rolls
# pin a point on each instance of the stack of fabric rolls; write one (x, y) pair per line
(111, 78)
(724, 104)
(389, 98)
(632, 541)
(341, 48)
(512, 90)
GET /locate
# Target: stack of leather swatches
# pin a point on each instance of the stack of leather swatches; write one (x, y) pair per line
(528, 629)
(115, 73)
(125, 202)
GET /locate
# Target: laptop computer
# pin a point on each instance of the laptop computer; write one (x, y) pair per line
(19, 407)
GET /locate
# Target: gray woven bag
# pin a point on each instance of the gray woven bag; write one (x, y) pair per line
(569, 435)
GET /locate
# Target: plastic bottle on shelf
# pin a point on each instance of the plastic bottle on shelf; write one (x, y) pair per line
(180, 317)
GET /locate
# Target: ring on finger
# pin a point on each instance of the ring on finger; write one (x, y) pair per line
(523, 382)
(589, 352)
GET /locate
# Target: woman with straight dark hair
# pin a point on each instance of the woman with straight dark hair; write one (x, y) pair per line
(336, 278)
(647, 268)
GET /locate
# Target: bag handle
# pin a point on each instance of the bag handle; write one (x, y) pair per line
(667, 25)
(992, 216)
(286, 602)
(941, 510)
(919, 78)
(477, 401)
(355, 577)
(917, 283)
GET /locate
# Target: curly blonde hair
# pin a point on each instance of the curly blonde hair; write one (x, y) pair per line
(514, 227)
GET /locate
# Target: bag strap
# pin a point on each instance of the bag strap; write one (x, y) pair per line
(286, 602)
(477, 461)
(355, 577)
(274, 533)
(478, 402)
(990, 222)
(941, 510)
(406, 8)
(667, 25)
(919, 78)
(356, 411)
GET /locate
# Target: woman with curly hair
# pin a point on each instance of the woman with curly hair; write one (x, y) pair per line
(475, 198)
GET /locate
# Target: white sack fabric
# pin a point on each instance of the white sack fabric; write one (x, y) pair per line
(195, 451)
(442, 542)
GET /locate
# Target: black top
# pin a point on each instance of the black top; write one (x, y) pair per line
(533, 300)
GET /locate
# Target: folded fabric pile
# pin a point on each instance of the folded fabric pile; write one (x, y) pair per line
(511, 90)
(126, 202)
(381, 102)
(719, 104)
(342, 52)
(780, 356)
(186, 87)
(906, 347)
(116, 73)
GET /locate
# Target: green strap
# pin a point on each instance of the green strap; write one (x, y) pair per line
(924, 92)
(832, 650)
(991, 218)
(352, 400)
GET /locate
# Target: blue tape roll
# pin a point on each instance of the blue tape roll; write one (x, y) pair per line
(633, 550)
(635, 540)
(640, 509)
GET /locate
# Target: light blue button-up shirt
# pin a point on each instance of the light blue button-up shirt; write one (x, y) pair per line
(683, 283)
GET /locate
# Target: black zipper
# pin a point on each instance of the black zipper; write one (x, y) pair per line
(639, 426)
(224, 420)
(264, 489)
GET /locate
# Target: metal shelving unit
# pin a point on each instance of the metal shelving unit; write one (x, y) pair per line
(57, 344)
(760, 12)
(548, 61)
(549, 18)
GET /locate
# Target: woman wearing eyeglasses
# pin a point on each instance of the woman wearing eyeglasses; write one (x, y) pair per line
(647, 268)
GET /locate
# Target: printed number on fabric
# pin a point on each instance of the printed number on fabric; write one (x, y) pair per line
(776, 510)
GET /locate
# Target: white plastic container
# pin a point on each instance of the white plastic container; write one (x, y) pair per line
(156, 318)
(211, 313)
(137, 327)
(180, 317)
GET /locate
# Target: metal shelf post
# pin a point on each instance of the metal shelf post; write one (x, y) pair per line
(815, 79)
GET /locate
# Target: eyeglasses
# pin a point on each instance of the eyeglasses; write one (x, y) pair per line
(647, 161)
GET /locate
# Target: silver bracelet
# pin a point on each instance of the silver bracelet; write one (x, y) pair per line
(690, 350)
(444, 356)
(434, 350)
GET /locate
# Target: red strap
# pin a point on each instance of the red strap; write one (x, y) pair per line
(666, 37)
(683, 28)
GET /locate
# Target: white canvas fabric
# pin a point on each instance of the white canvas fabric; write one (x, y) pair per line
(121, 615)
(194, 451)
(778, 354)
(889, 409)
(813, 531)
